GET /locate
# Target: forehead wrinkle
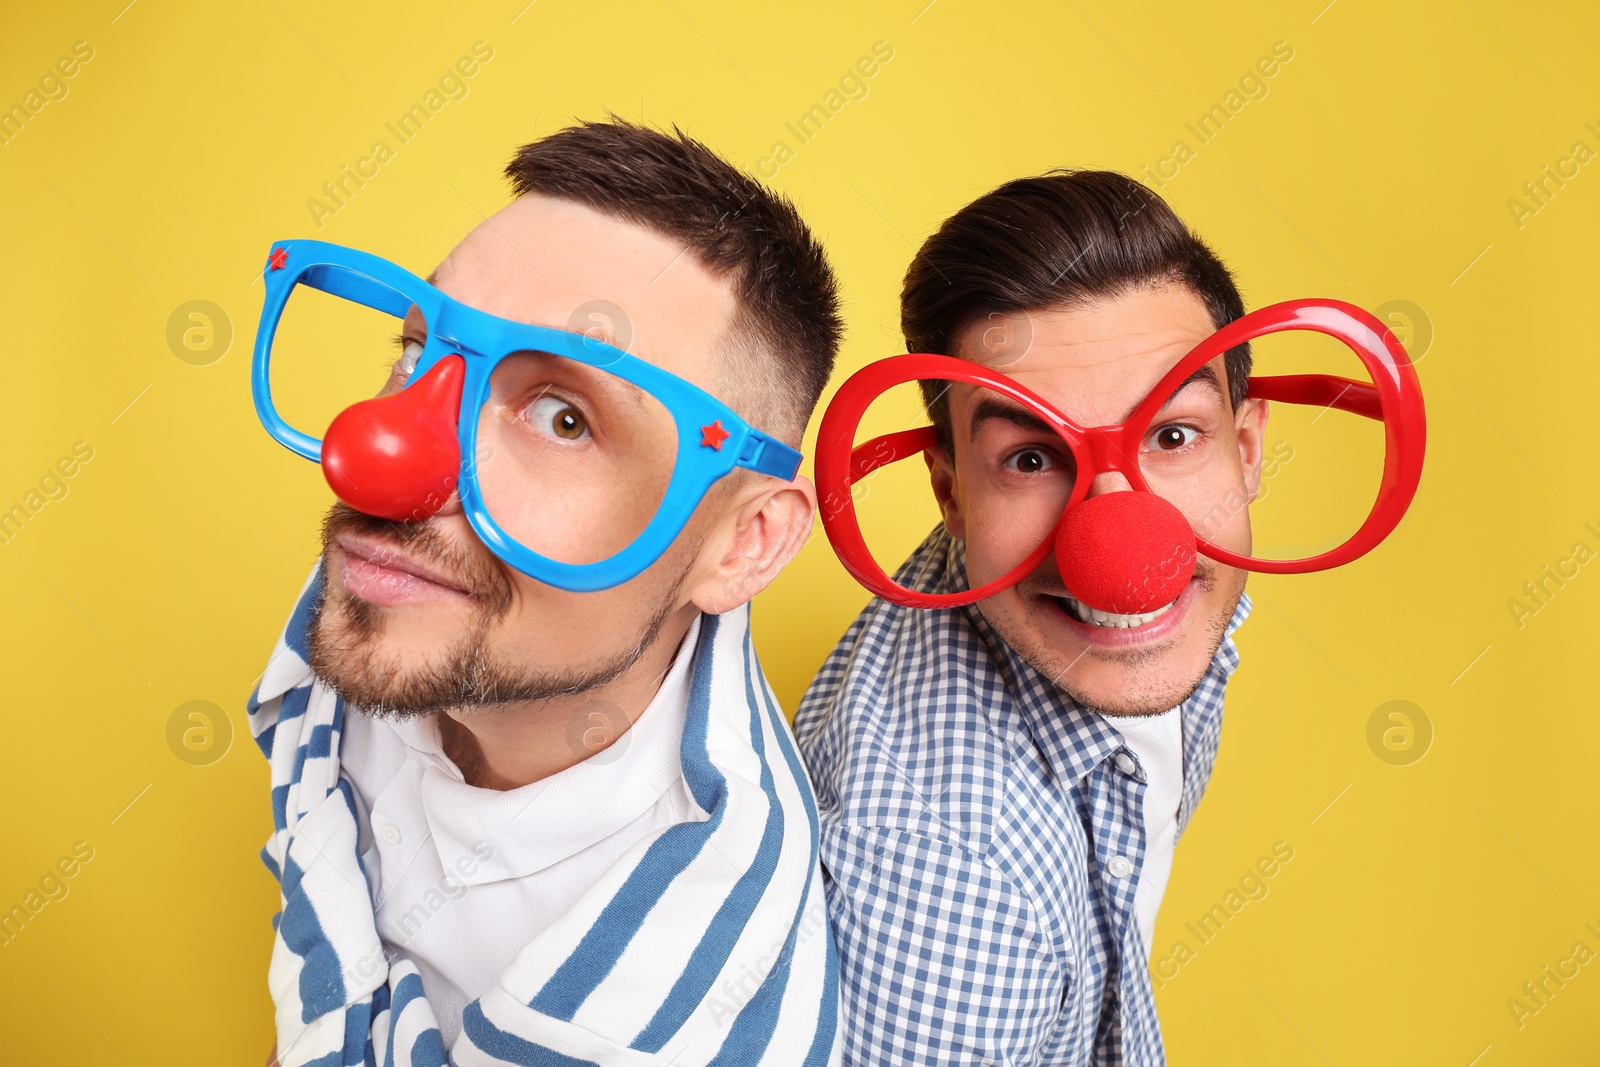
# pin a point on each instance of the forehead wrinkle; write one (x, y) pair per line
(536, 303)
(599, 331)
(576, 255)
(504, 294)
(1067, 380)
(1139, 352)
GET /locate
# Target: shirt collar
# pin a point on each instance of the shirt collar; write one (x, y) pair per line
(535, 826)
(289, 665)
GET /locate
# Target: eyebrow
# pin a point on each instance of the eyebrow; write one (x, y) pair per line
(1204, 374)
(993, 407)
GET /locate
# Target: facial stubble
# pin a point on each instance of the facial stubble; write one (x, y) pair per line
(1130, 660)
(470, 673)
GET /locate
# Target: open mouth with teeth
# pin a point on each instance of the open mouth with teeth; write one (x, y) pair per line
(1108, 619)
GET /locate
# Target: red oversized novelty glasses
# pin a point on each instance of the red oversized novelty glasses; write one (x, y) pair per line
(1157, 544)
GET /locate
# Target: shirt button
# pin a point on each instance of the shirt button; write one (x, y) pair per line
(1120, 867)
(390, 833)
(1125, 763)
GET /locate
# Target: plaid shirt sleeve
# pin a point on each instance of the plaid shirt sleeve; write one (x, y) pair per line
(942, 959)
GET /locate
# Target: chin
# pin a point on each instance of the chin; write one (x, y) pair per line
(1136, 665)
(352, 637)
(1125, 692)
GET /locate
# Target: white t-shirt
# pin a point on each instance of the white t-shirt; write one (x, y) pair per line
(462, 878)
(1157, 744)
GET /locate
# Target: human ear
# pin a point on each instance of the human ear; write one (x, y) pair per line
(758, 534)
(942, 475)
(1250, 426)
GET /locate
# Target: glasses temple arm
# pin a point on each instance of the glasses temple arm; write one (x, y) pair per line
(881, 451)
(1324, 390)
(766, 455)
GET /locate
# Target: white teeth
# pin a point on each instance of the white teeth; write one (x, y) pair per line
(1110, 619)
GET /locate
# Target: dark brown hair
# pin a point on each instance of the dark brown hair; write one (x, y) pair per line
(1055, 241)
(736, 227)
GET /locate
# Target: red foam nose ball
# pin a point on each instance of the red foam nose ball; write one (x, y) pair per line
(1127, 552)
(396, 456)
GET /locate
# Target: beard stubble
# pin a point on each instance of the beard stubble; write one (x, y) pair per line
(476, 670)
(1136, 702)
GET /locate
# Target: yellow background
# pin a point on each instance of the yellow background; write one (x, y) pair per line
(1420, 898)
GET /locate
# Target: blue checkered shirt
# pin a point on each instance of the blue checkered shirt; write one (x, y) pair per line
(970, 812)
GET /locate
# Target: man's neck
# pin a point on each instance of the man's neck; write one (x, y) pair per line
(511, 745)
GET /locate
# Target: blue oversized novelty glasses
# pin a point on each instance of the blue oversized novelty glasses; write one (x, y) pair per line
(576, 463)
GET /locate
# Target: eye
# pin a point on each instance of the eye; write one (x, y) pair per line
(1172, 437)
(552, 415)
(410, 352)
(1030, 461)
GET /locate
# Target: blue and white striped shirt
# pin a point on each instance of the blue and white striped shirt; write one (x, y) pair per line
(969, 812)
(706, 943)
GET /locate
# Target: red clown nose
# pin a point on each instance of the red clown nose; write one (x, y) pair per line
(396, 456)
(1125, 552)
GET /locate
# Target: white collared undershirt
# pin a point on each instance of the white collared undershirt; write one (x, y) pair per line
(1157, 743)
(463, 878)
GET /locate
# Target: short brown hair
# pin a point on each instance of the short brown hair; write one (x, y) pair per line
(736, 227)
(1054, 241)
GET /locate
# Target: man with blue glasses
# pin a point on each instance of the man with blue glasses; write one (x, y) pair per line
(533, 799)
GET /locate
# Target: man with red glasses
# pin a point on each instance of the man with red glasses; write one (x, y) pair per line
(1002, 783)
(533, 799)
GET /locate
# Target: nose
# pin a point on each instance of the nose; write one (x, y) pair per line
(1109, 482)
(397, 456)
(1125, 552)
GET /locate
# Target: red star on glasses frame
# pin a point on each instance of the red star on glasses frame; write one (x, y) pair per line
(712, 436)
